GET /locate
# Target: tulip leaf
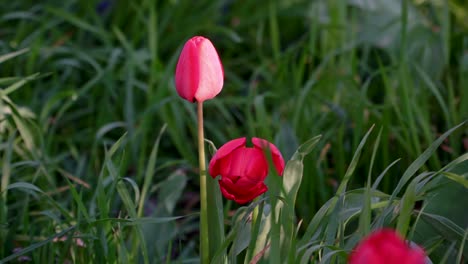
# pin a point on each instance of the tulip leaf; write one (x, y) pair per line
(168, 193)
(292, 175)
(242, 239)
(211, 146)
(444, 226)
(240, 220)
(448, 229)
(215, 215)
(318, 218)
(306, 148)
(407, 204)
(457, 178)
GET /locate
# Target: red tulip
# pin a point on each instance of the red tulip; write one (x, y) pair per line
(243, 169)
(199, 73)
(386, 247)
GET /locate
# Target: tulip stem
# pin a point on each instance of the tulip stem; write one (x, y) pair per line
(204, 243)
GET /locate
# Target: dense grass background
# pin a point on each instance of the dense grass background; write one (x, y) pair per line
(92, 130)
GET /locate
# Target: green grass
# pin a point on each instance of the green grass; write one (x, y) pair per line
(96, 145)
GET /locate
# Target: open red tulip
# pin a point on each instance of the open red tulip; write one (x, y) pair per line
(244, 169)
(385, 246)
(199, 73)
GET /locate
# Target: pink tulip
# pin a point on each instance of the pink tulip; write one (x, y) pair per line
(244, 169)
(199, 73)
(385, 246)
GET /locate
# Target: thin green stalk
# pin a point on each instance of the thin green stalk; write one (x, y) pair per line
(408, 99)
(204, 245)
(274, 31)
(256, 221)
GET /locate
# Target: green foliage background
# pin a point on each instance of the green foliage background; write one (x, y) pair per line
(77, 75)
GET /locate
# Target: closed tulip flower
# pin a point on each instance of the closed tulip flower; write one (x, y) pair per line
(199, 73)
(244, 169)
(386, 247)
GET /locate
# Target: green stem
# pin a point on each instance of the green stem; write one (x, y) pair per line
(204, 245)
(256, 220)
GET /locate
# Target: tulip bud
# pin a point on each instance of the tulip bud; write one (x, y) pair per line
(387, 247)
(199, 73)
(244, 169)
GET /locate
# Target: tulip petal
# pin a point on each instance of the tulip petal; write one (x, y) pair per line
(242, 186)
(277, 158)
(386, 246)
(226, 193)
(223, 151)
(245, 162)
(242, 191)
(244, 169)
(188, 71)
(211, 71)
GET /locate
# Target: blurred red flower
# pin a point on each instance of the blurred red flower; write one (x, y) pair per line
(199, 73)
(244, 169)
(385, 246)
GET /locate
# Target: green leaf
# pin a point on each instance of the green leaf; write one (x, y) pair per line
(211, 147)
(11, 55)
(171, 190)
(462, 247)
(77, 197)
(215, 215)
(292, 175)
(130, 207)
(116, 145)
(306, 148)
(15, 86)
(419, 162)
(444, 226)
(77, 21)
(25, 186)
(139, 221)
(306, 257)
(434, 90)
(410, 171)
(37, 245)
(407, 204)
(108, 127)
(365, 218)
(135, 188)
(318, 218)
(21, 124)
(353, 164)
(456, 178)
